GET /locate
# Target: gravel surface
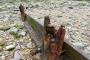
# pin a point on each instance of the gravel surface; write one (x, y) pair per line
(15, 43)
(73, 14)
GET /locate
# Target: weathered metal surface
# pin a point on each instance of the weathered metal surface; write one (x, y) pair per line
(73, 53)
(55, 40)
(32, 27)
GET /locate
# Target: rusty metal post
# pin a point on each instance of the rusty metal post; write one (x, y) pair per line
(46, 20)
(61, 36)
(23, 14)
(48, 30)
(46, 38)
(54, 49)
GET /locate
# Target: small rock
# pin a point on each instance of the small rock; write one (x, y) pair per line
(23, 47)
(29, 45)
(17, 56)
(26, 7)
(2, 57)
(36, 57)
(14, 29)
(10, 47)
(1, 32)
(10, 2)
(88, 48)
(22, 33)
(84, 24)
(16, 10)
(1, 42)
(79, 45)
(70, 7)
(73, 37)
(17, 47)
(59, 16)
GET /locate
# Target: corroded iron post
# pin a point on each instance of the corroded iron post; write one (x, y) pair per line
(34, 29)
(23, 14)
(60, 35)
(54, 40)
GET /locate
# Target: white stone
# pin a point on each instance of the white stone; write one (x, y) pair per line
(17, 47)
(17, 55)
(14, 29)
(10, 47)
(3, 57)
(29, 45)
(88, 48)
(22, 33)
(79, 44)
